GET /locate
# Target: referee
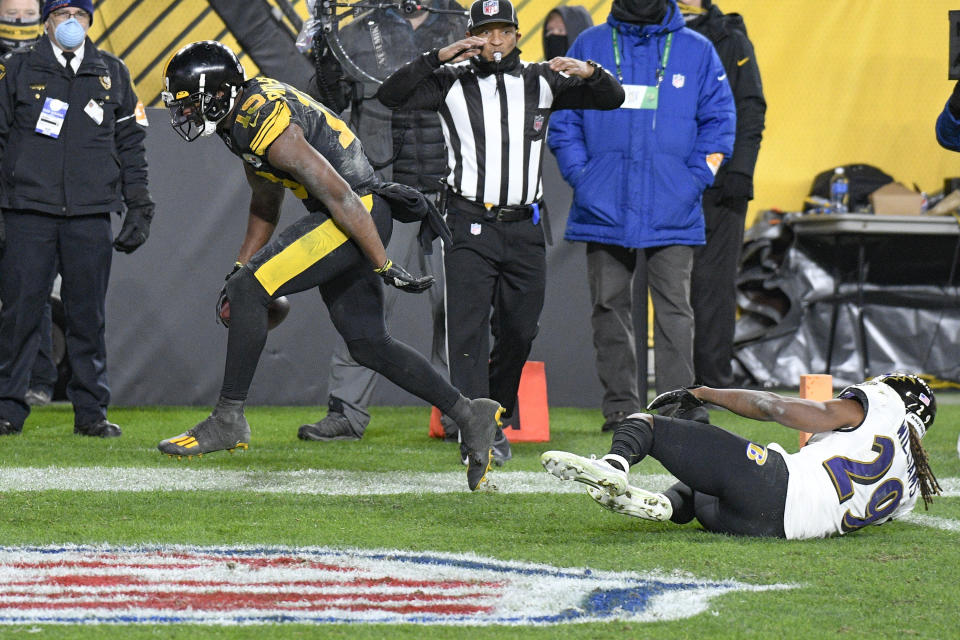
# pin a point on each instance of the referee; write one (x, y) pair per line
(494, 110)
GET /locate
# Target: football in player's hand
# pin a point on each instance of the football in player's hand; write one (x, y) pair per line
(276, 312)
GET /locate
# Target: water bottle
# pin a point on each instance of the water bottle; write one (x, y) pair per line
(839, 191)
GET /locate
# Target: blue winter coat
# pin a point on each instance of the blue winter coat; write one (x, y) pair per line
(948, 130)
(638, 174)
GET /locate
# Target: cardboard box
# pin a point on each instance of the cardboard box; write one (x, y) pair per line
(896, 199)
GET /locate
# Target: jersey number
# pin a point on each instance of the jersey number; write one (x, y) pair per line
(885, 498)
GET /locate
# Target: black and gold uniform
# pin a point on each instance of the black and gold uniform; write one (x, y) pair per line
(313, 251)
(267, 107)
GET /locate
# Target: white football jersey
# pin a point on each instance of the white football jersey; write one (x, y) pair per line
(846, 479)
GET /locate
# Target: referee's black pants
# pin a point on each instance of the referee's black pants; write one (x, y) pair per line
(500, 265)
(37, 243)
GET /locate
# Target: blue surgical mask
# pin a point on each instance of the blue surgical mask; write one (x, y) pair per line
(70, 34)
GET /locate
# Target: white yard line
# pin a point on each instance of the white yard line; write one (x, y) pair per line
(310, 481)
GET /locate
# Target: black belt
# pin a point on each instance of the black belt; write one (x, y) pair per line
(493, 214)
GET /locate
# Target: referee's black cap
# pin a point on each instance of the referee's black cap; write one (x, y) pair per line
(487, 11)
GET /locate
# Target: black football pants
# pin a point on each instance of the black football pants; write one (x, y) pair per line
(313, 253)
(731, 485)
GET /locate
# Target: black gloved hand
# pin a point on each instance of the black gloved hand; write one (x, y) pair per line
(681, 397)
(736, 190)
(396, 276)
(223, 302)
(954, 103)
(135, 229)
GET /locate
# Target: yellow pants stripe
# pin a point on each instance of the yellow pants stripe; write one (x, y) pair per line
(303, 253)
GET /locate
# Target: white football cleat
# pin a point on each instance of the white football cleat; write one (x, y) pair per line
(596, 473)
(635, 502)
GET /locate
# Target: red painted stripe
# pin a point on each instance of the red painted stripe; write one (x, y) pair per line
(110, 580)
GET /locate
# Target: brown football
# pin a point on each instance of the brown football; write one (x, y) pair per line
(276, 312)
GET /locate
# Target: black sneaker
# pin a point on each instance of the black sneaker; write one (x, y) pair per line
(100, 429)
(335, 426)
(7, 428)
(613, 421)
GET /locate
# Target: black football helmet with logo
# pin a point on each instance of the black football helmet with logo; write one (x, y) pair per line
(916, 395)
(200, 84)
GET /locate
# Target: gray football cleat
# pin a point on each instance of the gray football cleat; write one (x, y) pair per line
(477, 434)
(635, 502)
(335, 426)
(225, 429)
(590, 471)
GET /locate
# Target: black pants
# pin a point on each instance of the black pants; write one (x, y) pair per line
(500, 265)
(313, 253)
(37, 244)
(731, 485)
(713, 291)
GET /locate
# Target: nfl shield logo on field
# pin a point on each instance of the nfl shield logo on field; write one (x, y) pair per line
(678, 80)
(537, 123)
(491, 7)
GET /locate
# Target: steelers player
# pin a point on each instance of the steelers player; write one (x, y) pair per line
(288, 140)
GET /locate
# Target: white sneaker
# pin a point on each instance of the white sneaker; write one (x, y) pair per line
(635, 502)
(596, 473)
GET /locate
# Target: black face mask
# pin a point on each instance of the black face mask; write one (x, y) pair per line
(507, 63)
(639, 11)
(554, 46)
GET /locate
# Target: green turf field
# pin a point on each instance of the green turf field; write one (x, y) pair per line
(897, 580)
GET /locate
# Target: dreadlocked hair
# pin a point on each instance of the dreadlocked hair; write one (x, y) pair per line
(929, 486)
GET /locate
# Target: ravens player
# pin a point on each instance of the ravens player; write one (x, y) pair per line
(864, 465)
(288, 140)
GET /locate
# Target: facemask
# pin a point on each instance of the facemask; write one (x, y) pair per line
(554, 46)
(70, 34)
(17, 34)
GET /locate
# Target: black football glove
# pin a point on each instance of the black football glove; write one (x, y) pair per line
(396, 276)
(135, 229)
(222, 299)
(684, 400)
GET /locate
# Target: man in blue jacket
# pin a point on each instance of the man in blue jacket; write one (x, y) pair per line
(638, 174)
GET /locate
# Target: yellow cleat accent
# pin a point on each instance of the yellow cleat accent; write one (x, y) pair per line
(499, 416)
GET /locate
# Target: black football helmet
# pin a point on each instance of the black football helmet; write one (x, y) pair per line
(916, 395)
(200, 84)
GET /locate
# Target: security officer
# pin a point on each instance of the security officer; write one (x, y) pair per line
(495, 110)
(71, 142)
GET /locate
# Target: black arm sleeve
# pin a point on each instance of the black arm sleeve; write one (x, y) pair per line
(414, 86)
(599, 91)
(744, 78)
(129, 136)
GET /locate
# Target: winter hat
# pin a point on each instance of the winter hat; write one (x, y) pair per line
(53, 5)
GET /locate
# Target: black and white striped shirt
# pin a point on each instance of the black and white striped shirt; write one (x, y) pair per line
(495, 123)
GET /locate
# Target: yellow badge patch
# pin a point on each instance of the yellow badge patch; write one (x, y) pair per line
(3, 72)
(106, 82)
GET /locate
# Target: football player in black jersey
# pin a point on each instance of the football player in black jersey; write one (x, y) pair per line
(288, 140)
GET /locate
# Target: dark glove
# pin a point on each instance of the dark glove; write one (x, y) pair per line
(681, 397)
(432, 227)
(396, 276)
(736, 190)
(954, 102)
(223, 302)
(135, 229)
